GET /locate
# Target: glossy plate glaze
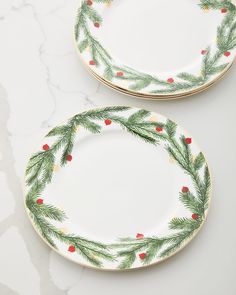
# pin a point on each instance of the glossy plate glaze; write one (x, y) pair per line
(117, 188)
(154, 48)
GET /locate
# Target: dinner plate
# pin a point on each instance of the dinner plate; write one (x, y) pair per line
(117, 188)
(154, 49)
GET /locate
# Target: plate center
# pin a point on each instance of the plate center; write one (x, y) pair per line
(116, 186)
(157, 35)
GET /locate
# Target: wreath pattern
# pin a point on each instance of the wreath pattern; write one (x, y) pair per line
(213, 59)
(127, 251)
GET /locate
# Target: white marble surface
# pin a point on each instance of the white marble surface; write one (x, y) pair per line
(42, 82)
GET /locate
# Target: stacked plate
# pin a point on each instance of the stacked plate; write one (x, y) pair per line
(156, 50)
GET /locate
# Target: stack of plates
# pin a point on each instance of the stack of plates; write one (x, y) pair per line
(156, 50)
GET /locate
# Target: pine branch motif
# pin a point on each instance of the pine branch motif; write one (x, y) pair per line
(212, 64)
(127, 251)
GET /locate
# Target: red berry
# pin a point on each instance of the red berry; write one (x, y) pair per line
(224, 10)
(227, 54)
(185, 189)
(195, 216)
(170, 80)
(159, 129)
(69, 158)
(108, 122)
(96, 25)
(119, 74)
(39, 201)
(188, 140)
(142, 255)
(92, 63)
(89, 2)
(71, 249)
(139, 236)
(46, 147)
(203, 52)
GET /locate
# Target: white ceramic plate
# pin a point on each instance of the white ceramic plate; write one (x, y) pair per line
(157, 48)
(117, 188)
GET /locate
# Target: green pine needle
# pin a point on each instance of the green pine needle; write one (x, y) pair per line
(138, 116)
(83, 45)
(44, 210)
(40, 167)
(108, 73)
(152, 251)
(176, 241)
(190, 78)
(199, 161)
(89, 125)
(88, 255)
(183, 224)
(170, 128)
(128, 261)
(191, 203)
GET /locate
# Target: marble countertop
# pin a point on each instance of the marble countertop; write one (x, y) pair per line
(42, 82)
